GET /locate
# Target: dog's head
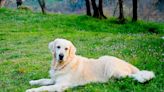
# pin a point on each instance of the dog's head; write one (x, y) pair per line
(62, 49)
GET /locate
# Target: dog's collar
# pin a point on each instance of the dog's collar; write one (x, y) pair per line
(62, 67)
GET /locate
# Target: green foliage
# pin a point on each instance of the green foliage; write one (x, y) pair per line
(24, 53)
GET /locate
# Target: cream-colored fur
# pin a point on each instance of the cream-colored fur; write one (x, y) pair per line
(76, 70)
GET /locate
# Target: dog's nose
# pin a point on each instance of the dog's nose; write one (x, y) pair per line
(61, 56)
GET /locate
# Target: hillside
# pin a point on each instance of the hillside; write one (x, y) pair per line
(24, 54)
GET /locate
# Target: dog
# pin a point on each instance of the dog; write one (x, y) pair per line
(70, 70)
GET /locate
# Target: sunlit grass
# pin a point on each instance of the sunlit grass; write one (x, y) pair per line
(24, 54)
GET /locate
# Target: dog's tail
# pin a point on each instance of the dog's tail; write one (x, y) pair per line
(142, 75)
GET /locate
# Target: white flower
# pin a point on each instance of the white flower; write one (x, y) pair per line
(162, 37)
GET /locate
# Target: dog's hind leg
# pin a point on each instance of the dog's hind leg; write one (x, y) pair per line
(42, 82)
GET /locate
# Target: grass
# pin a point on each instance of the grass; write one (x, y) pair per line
(24, 54)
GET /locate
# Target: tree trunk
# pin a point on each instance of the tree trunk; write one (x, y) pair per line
(2, 2)
(95, 9)
(42, 5)
(19, 3)
(88, 9)
(114, 11)
(121, 15)
(101, 9)
(134, 11)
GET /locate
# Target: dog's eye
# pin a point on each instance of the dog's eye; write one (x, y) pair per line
(58, 47)
(66, 48)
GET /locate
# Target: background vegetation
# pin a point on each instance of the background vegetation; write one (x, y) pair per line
(147, 9)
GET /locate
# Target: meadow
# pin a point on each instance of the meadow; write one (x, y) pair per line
(24, 53)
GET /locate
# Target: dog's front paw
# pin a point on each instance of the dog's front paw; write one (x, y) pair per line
(32, 82)
(31, 90)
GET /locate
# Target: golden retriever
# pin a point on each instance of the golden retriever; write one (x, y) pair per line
(69, 70)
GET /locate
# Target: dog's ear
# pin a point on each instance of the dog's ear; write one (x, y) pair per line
(72, 51)
(51, 46)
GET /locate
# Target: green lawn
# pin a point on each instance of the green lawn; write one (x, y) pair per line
(24, 54)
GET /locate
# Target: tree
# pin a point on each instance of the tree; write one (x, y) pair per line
(2, 2)
(115, 9)
(42, 5)
(97, 10)
(101, 9)
(160, 5)
(88, 8)
(121, 14)
(19, 3)
(134, 11)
